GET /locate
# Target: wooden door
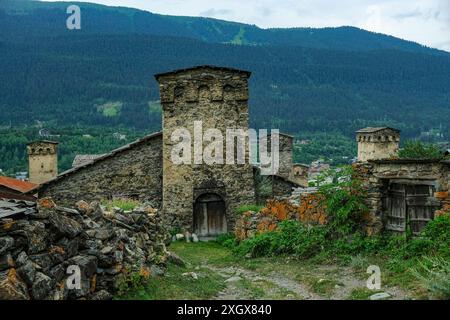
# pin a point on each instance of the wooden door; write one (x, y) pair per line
(410, 207)
(396, 214)
(209, 216)
(420, 204)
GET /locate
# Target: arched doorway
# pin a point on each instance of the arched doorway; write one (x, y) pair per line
(209, 215)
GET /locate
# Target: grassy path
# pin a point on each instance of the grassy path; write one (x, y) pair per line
(213, 272)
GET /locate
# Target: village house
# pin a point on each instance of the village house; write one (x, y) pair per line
(198, 198)
(403, 194)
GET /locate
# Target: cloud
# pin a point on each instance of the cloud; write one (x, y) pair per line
(423, 21)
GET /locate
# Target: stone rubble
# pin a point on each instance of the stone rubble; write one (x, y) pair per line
(36, 250)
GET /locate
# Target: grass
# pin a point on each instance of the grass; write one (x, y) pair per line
(205, 258)
(248, 207)
(124, 204)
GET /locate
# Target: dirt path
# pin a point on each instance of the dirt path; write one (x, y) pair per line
(276, 278)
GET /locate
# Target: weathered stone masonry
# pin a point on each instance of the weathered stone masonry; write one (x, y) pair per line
(217, 97)
(132, 171)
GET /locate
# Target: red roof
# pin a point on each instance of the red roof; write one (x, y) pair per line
(17, 185)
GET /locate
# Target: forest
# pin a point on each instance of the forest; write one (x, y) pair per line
(313, 83)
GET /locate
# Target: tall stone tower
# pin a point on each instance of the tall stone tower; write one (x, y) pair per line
(377, 143)
(42, 161)
(200, 197)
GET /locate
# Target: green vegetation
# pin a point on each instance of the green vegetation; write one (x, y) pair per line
(344, 239)
(248, 207)
(420, 150)
(124, 204)
(110, 109)
(72, 141)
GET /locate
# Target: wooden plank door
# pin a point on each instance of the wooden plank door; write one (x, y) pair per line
(421, 205)
(396, 208)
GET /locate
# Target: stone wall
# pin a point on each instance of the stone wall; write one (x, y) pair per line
(133, 171)
(37, 250)
(217, 97)
(377, 174)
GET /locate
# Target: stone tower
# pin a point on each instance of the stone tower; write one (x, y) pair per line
(377, 143)
(200, 197)
(42, 161)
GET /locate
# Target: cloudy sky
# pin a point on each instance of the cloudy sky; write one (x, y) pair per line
(423, 21)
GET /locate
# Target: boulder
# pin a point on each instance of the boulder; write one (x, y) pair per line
(41, 287)
(27, 272)
(6, 243)
(84, 207)
(175, 259)
(194, 238)
(65, 226)
(6, 262)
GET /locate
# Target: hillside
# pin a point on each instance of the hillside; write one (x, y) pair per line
(304, 81)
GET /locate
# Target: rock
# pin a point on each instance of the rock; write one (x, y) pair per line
(35, 233)
(104, 233)
(84, 207)
(87, 264)
(233, 279)
(102, 295)
(12, 287)
(175, 259)
(27, 272)
(179, 236)
(41, 287)
(187, 236)
(64, 225)
(6, 262)
(380, 296)
(193, 275)
(107, 250)
(6, 243)
(156, 271)
(194, 238)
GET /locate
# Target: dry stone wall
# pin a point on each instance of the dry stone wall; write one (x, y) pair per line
(37, 250)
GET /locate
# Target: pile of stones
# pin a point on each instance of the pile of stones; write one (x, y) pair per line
(61, 253)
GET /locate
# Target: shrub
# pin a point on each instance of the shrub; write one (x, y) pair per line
(344, 202)
(434, 273)
(419, 150)
(122, 203)
(248, 207)
(227, 240)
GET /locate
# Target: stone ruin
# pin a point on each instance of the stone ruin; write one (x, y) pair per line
(38, 245)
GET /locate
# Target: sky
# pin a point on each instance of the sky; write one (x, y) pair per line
(423, 21)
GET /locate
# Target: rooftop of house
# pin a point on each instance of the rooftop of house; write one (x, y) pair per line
(214, 68)
(376, 129)
(12, 207)
(17, 185)
(81, 159)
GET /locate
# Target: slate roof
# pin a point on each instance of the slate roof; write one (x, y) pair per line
(12, 207)
(81, 159)
(157, 76)
(375, 129)
(17, 185)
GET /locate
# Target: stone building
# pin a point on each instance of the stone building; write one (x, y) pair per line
(377, 143)
(42, 161)
(300, 174)
(403, 194)
(200, 198)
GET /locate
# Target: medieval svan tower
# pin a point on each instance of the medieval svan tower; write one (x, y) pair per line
(218, 97)
(198, 197)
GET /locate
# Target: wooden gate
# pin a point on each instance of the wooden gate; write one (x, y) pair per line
(209, 216)
(410, 206)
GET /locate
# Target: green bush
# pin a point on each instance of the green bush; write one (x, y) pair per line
(122, 203)
(248, 207)
(227, 240)
(419, 150)
(434, 273)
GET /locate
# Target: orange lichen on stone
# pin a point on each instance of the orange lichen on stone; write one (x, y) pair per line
(57, 249)
(46, 203)
(312, 209)
(145, 272)
(93, 283)
(8, 224)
